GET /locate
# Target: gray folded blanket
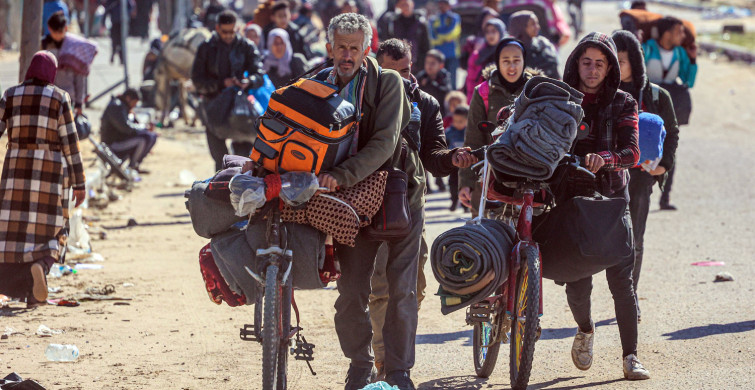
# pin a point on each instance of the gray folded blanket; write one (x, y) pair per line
(541, 131)
(470, 262)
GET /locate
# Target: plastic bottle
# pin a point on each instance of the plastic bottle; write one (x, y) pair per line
(61, 353)
(413, 128)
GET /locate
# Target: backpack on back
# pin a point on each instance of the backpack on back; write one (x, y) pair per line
(307, 127)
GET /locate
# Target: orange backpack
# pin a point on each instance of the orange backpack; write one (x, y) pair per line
(307, 127)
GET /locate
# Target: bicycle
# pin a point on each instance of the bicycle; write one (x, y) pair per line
(513, 314)
(272, 311)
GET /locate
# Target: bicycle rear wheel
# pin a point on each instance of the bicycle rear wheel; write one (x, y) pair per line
(526, 319)
(485, 348)
(271, 328)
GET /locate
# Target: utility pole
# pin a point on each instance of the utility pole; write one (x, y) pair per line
(31, 34)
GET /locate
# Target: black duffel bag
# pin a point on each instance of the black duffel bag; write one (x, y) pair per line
(682, 101)
(584, 236)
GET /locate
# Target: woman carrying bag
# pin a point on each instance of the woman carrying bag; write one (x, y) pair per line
(41, 164)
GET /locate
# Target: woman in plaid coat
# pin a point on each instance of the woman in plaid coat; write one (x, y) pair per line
(41, 163)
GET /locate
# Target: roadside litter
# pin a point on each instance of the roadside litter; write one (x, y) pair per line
(4, 301)
(379, 386)
(61, 353)
(14, 382)
(44, 331)
(709, 263)
(7, 332)
(724, 277)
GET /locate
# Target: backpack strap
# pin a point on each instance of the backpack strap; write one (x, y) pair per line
(484, 91)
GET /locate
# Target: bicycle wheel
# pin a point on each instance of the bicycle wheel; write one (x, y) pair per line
(485, 354)
(270, 329)
(285, 326)
(526, 320)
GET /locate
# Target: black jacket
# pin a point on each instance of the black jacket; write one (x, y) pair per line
(216, 61)
(434, 152)
(298, 66)
(642, 91)
(413, 29)
(438, 88)
(115, 125)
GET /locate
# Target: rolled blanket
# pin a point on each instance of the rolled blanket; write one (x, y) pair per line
(540, 132)
(470, 262)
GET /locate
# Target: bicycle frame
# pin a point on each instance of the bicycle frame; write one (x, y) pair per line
(524, 239)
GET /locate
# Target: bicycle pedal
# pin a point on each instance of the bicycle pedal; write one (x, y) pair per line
(479, 312)
(249, 333)
(303, 350)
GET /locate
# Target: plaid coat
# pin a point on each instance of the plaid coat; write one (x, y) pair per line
(41, 163)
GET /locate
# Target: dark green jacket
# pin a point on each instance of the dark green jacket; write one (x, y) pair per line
(380, 127)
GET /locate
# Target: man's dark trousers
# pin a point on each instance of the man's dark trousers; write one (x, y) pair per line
(352, 318)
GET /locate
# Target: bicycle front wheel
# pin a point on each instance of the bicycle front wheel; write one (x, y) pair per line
(271, 329)
(485, 348)
(526, 318)
(285, 326)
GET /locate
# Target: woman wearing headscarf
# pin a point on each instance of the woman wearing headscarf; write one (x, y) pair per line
(477, 39)
(503, 83)
(541, 54)
(281, 63)
(41, 164)
(494, 30)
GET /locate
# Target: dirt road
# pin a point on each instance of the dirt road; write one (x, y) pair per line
(695, 333)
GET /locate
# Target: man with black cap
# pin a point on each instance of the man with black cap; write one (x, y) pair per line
(656, 100)
(610, 149)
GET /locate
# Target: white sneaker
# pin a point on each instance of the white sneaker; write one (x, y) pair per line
(581, 350)
(633, 369)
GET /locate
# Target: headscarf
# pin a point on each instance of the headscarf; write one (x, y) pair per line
(515, 86)
(283, 64)
(258, 29)
(518, 25)
(487, 51)
(43, 67)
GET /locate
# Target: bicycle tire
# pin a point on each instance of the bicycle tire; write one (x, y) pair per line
(270, 329)
(526, 307)
(484, 357)
(285, 326)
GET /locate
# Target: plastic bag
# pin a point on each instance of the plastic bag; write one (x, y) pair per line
(298, 187)
(247, 194)
(262, 94)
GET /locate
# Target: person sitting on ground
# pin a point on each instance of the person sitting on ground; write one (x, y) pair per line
(434, 79)
(282, 64)
(65, 78)
(281, 18)
(453, 99)
(609, 150)
(392, 359)
(42, 162)
(541, 54)
(634, 80)
(127, 138)
(494, 30)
